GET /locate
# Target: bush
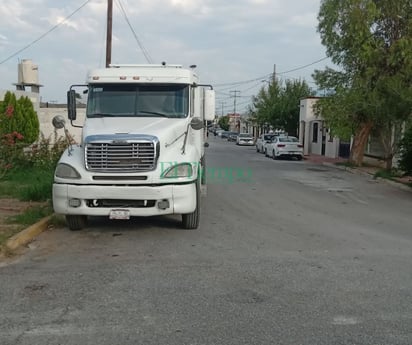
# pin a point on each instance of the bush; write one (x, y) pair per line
(19, 128)
(405, 162)
(18, 116)
(32, 169)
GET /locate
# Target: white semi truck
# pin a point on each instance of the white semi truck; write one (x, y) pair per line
(142, 146)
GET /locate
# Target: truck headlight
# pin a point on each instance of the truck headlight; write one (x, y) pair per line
(178, 170)
(66, 171)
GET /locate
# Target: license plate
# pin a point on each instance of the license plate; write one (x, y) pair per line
(119, 214)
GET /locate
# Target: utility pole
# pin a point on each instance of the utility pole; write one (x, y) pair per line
(235, 95)
(223, 103)
(274, 75)
(109, 32)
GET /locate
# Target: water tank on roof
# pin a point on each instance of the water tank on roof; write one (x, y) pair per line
(28, 73)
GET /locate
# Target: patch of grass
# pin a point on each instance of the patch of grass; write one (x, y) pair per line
(7, 189)
(387, 174)
(30, 184)
(6, 234)
(383, 173)
(40, 191)
(57, 220)
(346, 164)
(32, 215)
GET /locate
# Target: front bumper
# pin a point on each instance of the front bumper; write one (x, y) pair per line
(181, 199)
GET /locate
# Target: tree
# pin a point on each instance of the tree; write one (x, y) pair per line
(405, 162)
(278, 104)
(371, 42)
(17, 117)
(287, 114)
(224, 122)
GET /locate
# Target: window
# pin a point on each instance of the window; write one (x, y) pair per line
(138, 100)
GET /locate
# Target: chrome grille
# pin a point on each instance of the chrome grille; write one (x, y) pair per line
(121, 155)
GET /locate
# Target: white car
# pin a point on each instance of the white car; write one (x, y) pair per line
(245, 139)
(262, 140)
(284, 146)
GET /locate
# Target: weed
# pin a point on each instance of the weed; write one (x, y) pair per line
(346, 164)
(383, 173)
(32, 215)
(57, 220)
(30, 184)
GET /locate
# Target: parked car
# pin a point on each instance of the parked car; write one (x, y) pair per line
(262, 140)
(224, 134)
(219, 132)
(284, 146)
(245, 139)
(232, 136)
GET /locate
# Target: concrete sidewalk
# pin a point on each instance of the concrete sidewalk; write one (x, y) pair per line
(318, 159)
(405, 182)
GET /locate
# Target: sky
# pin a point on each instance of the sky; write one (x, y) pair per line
(235, 44)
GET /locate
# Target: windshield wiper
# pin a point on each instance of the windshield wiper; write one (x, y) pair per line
(153, 113)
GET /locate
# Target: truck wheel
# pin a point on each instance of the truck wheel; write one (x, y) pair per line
(76, 222)
(191, 220)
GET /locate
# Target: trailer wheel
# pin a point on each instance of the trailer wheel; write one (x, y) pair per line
(76, 222)
(191, 220)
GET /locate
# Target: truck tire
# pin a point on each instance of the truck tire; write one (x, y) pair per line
(76, 222)
(191, 220)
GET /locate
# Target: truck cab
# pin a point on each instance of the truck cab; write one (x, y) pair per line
(142, 146)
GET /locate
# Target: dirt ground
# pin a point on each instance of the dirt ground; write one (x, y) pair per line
(9, 208)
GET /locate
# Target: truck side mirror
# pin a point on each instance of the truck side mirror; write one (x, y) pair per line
(58, 122)
(209, 98)
(196, 123)
(71, 104)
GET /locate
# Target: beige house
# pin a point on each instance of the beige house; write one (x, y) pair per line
(315, 136)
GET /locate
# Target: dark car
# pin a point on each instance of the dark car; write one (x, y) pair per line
(232, 136)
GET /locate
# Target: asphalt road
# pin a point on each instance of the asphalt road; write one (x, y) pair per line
(287, 253)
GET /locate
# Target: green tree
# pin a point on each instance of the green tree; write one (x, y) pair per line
(17, 116)
(224, 122)
(287, 115)
(371, 43)
(277, 105)
(405, 161)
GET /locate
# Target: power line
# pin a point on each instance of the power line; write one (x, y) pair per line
(144, 51)
(46, 33)
(242, 82)
(268, 75)
(302, 67)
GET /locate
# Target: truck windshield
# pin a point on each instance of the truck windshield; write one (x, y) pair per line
(144, 100)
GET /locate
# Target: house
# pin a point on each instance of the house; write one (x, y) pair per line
(315, 136)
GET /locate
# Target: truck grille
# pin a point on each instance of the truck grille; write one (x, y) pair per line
(121, 155)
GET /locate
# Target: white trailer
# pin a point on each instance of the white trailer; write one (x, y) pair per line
(142, 146)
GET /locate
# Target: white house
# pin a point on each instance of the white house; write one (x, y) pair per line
(315, 136)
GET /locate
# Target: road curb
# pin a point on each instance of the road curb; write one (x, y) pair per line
(27, 235)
